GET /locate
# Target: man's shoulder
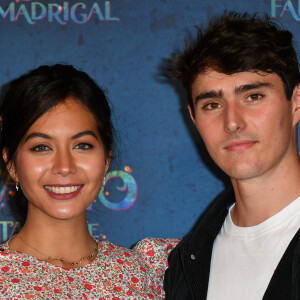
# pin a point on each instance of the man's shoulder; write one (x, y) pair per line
(208, 225)
(197, 244)
(211, 220)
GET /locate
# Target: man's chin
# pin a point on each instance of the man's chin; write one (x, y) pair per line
(244, 172)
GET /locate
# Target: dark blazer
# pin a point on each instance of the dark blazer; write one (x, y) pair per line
(189, 263)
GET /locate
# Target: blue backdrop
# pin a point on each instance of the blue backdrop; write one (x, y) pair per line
(163, 179)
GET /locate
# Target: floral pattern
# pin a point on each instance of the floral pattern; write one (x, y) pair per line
(116, 273)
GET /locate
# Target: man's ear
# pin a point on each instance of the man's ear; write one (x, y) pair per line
(191, 113)
(10, 166)
(296, 104)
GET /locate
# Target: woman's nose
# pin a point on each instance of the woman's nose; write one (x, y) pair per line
(64, 163)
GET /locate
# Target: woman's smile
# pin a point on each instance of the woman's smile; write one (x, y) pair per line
(63, 192)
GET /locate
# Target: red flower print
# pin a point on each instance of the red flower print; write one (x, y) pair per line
(5, 269)
(170, 246)
(57, 291)
(127, 254)
(88, 286)
(150, 253)
(150, 296)
(85, 297)
(142, 269)
(128, 284)
(134, 279)
(158, 290)
(117, 288)
(151, 286)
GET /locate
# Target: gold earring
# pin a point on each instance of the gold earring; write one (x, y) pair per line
(17, 186)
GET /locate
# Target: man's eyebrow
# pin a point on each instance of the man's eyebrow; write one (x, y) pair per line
(46, 136)
(237, 90)
(209, 94)
(252, 86)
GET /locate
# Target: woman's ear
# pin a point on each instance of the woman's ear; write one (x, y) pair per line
(107, 161)
(10, 166)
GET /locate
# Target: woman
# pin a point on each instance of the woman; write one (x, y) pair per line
(56, 142)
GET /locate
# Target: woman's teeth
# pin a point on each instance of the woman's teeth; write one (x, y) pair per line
(62, 190)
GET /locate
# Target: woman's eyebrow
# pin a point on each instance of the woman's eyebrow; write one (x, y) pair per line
(88, 132)
(37, 134)
(48, 137)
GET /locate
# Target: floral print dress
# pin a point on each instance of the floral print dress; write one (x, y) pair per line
(116, 273)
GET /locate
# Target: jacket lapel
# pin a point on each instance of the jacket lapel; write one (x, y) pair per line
(285, 281)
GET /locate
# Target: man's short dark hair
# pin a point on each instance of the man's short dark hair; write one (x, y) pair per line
(236, 43)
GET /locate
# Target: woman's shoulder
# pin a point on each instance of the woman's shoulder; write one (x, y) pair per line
(150, 253)
(5, 253)
(150, 248)
(156, 247)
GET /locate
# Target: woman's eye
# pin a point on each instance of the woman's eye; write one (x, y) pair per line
(84, 146)
(40, 148)
(211, 106)
(254, 97)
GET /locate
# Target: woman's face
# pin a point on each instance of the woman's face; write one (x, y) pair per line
(60, 163)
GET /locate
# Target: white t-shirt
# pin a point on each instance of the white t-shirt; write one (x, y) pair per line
(244, 258)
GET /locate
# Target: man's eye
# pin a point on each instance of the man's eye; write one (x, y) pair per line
(84, 146)
(40, 148)
(211, 106)
(254, 97)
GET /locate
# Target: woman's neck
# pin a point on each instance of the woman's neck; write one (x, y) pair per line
(64, 241)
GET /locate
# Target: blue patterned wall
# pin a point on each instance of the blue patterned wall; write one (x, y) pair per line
(162, 180)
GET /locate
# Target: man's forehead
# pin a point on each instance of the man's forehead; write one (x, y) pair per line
(215, 73)
(211, 77)
(213, 82)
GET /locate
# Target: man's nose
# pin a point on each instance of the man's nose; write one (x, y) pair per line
(234, 119)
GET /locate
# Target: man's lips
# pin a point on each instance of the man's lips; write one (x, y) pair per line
(63, 192)
(240, 145)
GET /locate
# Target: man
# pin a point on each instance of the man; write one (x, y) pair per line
(243, 81)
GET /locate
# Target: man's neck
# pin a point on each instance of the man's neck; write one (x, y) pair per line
(257, 199)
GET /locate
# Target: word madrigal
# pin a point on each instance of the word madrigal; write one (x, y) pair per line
(79, 12)
(281, 7)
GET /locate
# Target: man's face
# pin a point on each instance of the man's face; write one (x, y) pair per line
(245, 120)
